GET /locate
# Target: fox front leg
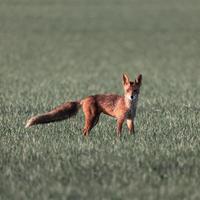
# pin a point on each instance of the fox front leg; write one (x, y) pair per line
(120, 122)
(130, 124)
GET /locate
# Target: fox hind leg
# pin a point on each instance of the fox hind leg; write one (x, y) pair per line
(91, 115)
(90, 122)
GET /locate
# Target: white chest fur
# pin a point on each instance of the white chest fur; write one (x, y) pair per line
(132, 107)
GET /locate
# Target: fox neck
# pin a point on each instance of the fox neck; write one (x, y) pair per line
(130, 103)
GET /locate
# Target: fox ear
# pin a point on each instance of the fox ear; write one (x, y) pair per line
(138, 80)
(125, 79)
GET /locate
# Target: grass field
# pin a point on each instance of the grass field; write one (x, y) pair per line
(55, 51)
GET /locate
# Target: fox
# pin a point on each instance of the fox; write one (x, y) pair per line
(120, 107)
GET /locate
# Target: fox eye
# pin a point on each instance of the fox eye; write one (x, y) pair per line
(135, 91)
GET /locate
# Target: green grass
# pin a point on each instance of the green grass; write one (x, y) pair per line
(55, 51)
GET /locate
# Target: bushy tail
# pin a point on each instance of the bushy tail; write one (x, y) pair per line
(59, 113)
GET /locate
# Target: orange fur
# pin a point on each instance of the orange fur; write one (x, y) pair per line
(120, 107)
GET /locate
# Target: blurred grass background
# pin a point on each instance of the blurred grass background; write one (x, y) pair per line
(55, 51)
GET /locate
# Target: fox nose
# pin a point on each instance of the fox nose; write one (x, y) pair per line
(131, 96)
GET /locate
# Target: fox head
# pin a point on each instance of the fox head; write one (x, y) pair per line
(132, 88)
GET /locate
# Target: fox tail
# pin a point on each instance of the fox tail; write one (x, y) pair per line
(64, 111)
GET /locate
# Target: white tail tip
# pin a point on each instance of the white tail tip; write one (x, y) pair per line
(28, 124)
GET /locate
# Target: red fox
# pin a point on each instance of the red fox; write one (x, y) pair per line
(120, 107)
